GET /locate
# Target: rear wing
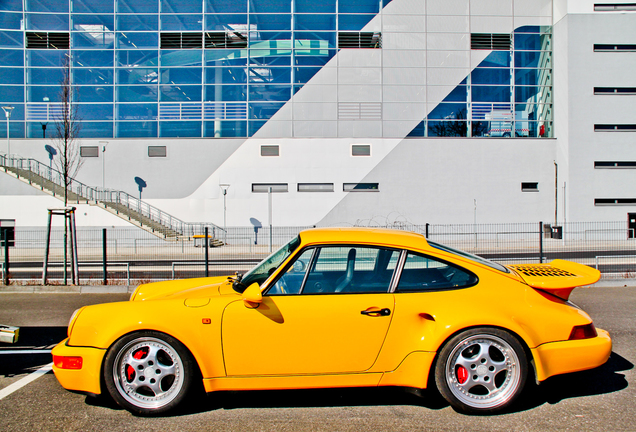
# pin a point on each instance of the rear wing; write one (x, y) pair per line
(559, 277)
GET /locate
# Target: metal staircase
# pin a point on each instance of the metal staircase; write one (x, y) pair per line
(121, 204)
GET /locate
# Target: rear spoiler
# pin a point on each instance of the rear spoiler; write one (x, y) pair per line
(559, 277)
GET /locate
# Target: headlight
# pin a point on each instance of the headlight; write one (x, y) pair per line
(71, 322)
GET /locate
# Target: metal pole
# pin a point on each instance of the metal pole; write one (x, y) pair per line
(207, 248)
(269, 208)
(46, 252)
(104, 256)
(541, 242)
(5, 236)
(426, 232)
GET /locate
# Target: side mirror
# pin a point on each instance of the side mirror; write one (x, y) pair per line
(252, 296)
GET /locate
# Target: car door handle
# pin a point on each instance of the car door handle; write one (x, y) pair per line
(381, 312)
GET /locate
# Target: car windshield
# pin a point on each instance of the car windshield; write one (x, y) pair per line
(266, 267)
(470, 256)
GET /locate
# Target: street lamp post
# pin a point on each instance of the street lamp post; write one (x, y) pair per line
(7, 113)
(103, 144)
(224, 188)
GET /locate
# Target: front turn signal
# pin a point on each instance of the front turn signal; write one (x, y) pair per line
(67, 362)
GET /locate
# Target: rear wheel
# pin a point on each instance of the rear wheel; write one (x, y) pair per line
(481, 370)
(148, 372)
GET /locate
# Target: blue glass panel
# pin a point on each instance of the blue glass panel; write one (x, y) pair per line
(319, 58)
(40, 93)
(225, 129)
(137, 93)
(92, 76)
(315, 22)
(138, 22)
(270, 57)
(270, 22)
(225, 6)
(231, 75)
(260, 92)
(46, 75)
(10, 21)
(11, 39)
(132, 6)
(188, 57)
(47, 5)
(186, 129)
(182, 22)
(147, 129)
(47, 22)
(459, 94)
(138, 58)
(181, 75)
(181, 6)
(99, 23)
(497, 59)
(224, 58)
(11, 5)
(47, 58)
(302, 75)
(527, 76)
(270, 40)
(312, 6)
(93, 6)
(95, 111)
(254, 126)
(226, 93)
(143, 76)
(419, 130)
(136, 40)
(225, 22)
(353, 22)
(480, 128)
(490, 94)
(12, 75)
(96, 130)
(138, 111)
(533, 29)
(274, 75)
(531, 42)
(529, 93)
(11, 93)
(12, 57)
(93, 58)
(385, 2)
(94, 94)
(528, 58)
(84, 40)
(16, 128)
(16, 114)
(269, 6)
(447, 128)
(314, 40)
(449, 111)
(34, 130)
(490, 76)
(182, 93)
(359, 6)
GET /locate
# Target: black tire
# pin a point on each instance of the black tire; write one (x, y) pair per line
(481, 370)
(148, 372)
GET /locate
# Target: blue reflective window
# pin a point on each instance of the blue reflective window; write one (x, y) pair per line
(225, 57)
(188, 57)
(260, 92)
(96, 130)
(34, 130)
(40, 93)
(46, 75)
(497, 59)
(269, 6)
(181, 22)
(359, 6)
(274, 40)
(225, 93)
(11, 75)
(137, 111)
(145, 129)
(16, 129)
(533, 29)
(138, 22)
(527, 76)
(310, 41)
(137, 40)
(531, 59)
(47, 5)
(419, 130)
(271, 57)
(93, 40)
(93, 6)
(181, 6)
(137, 58)
(302, 75)
(318, 58)
(181, 93)
(47, 22)
(11, 39)
(11, 5)
(10, 93)
(270, 22)
(94, 94)
(490, 76)
(10, 21)
(92, 76)
(46, 58)
(312, 6)
(231, 75)
(225, 22)
(531, 42)
(93, 58)
(137, 93)
(274, 75)
(315, 22)
(142, 76)
(225, 129)
(95, 111)
(529, 93)
(12, 57)
(137, 7)
(447, 128)
(225, 6)
(181, 128)
(449, 111)
(353, 22)
(181, 75)
(490, 93)
(459, 94)
(93, 23)
(254, 126)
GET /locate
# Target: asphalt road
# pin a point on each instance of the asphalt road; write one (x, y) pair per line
(603, 399)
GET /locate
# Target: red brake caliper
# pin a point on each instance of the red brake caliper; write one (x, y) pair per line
(137, 355)
(462, 374)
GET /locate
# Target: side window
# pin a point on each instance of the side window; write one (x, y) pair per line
(423, 273)
(292, 280)
(351, 269)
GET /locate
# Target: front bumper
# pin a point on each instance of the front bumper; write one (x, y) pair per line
(88, 378)
(562, 357)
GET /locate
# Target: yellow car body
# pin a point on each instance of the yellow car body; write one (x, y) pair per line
(271, 336)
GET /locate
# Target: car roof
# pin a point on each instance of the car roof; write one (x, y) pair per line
(380, 236)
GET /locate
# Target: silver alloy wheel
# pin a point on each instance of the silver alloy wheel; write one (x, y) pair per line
(148, 373)
(483, 371)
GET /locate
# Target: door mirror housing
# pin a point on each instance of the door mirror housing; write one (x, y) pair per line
(252, 296)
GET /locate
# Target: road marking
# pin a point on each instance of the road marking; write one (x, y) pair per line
(34, 351)
(24, 381)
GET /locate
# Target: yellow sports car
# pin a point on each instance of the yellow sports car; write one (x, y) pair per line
(340, 308)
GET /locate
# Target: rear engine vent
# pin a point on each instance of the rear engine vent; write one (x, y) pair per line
(542, 271)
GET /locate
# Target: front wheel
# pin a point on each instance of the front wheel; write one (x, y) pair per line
(148, 372)
(481, 370)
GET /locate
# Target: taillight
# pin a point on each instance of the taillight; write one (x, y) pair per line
(65, 362)
(583, 332)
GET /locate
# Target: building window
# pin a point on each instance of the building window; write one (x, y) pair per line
(181, 40)
(614, 165)
(490, 41)
(609, 7)
(615, 90)
(360, 150)
(89, 151)
(42, 40)
(157, 151)
(265, 187)
(270, 150)
(223, 40)
(361, 187)
(530, 187)
(615, 128)
(359, 40)
(614, 201)
(315, 187)
(615, 47)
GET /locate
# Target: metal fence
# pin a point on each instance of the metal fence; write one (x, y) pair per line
(135, 256)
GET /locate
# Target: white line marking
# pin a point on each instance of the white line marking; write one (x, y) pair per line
(33, 351)
(24, 381)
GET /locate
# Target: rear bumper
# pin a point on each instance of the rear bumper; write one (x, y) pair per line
(88, 378)
(562, 357)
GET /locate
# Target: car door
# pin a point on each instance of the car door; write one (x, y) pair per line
(334, 321)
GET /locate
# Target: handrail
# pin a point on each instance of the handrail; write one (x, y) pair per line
(109, 196)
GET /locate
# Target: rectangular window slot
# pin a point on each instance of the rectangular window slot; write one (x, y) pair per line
(615, 128)
(315, 187)
(216, 40)
(359, 40)
(361, 187)
(609, 7)
(490, 41)
(614, 201)
(270, 150)
(615, 90)
(360, 150)
(89, 151)
(181, 40)
(45, 40)
(530, 187)
(615, 47)
(359, 110)
(615, 165)
(157, 151)
(264, 187)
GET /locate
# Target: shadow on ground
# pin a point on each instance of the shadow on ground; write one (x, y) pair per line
(30, 338)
